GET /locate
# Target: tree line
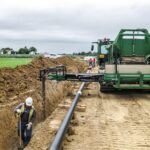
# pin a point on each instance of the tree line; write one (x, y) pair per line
(24, 50)
(86, 53)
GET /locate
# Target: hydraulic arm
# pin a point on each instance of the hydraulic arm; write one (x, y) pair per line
(59, 73)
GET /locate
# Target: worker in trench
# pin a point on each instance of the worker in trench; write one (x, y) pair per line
(26, 114)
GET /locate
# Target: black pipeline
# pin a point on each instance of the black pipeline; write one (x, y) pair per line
(64, 126)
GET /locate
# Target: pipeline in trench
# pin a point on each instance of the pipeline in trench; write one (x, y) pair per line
(64, 126)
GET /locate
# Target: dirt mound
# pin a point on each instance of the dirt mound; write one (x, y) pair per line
(21, 82)
(15, 81)
(79, 67)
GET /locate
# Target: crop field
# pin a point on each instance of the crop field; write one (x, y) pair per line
(13, 62)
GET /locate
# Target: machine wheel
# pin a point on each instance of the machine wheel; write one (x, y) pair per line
(106, 88)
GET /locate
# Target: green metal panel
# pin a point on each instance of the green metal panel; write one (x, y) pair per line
(126, 80)
(133, 43)
(141, 47)
(132, 87)
(57, 77)
(138, 49)
(126, 48)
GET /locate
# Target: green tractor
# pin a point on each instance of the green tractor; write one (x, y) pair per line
(102, 53)
(125, 64)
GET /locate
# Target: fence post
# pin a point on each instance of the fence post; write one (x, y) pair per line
(43, 97)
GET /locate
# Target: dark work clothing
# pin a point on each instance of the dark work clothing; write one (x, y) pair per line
(25, 133)
(25, 114)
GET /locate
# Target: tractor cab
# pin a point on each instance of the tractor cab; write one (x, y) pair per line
(102, 51)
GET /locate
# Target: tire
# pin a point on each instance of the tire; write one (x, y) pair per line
(106, 88)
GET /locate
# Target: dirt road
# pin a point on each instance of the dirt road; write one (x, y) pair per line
(112, 121)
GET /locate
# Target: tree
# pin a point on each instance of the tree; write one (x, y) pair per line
(86, 53)
(33, 49)
(24, 50)
(13, 52)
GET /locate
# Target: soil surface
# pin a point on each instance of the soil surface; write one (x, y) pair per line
(112, 121)
(19, 83)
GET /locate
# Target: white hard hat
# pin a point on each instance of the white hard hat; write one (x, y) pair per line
(29, 101)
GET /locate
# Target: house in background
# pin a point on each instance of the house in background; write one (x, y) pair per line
(1, 52)
(6, 51)
(32, 53)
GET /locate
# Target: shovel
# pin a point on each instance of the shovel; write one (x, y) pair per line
(20, 135)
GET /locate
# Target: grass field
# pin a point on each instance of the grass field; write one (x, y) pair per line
(13, 62)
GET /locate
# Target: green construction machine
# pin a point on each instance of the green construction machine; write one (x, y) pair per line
(125, 64)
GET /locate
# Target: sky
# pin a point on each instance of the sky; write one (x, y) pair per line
(67, 26)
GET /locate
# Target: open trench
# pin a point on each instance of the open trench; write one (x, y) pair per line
(111, 121)
(17, 84)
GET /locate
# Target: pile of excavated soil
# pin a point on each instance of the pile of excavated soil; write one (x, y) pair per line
(15, 81)
(21, 82)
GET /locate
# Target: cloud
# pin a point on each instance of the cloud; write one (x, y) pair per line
(67, 25)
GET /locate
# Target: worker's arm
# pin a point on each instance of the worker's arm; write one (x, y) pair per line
(29, 125)
(16, 110)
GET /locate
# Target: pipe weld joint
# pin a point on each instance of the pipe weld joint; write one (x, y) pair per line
(79, 92)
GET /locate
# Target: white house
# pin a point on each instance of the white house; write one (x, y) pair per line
(8, 52)
(32, 53)
(1, 52)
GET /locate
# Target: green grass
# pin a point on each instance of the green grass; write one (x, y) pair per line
(13, 62)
